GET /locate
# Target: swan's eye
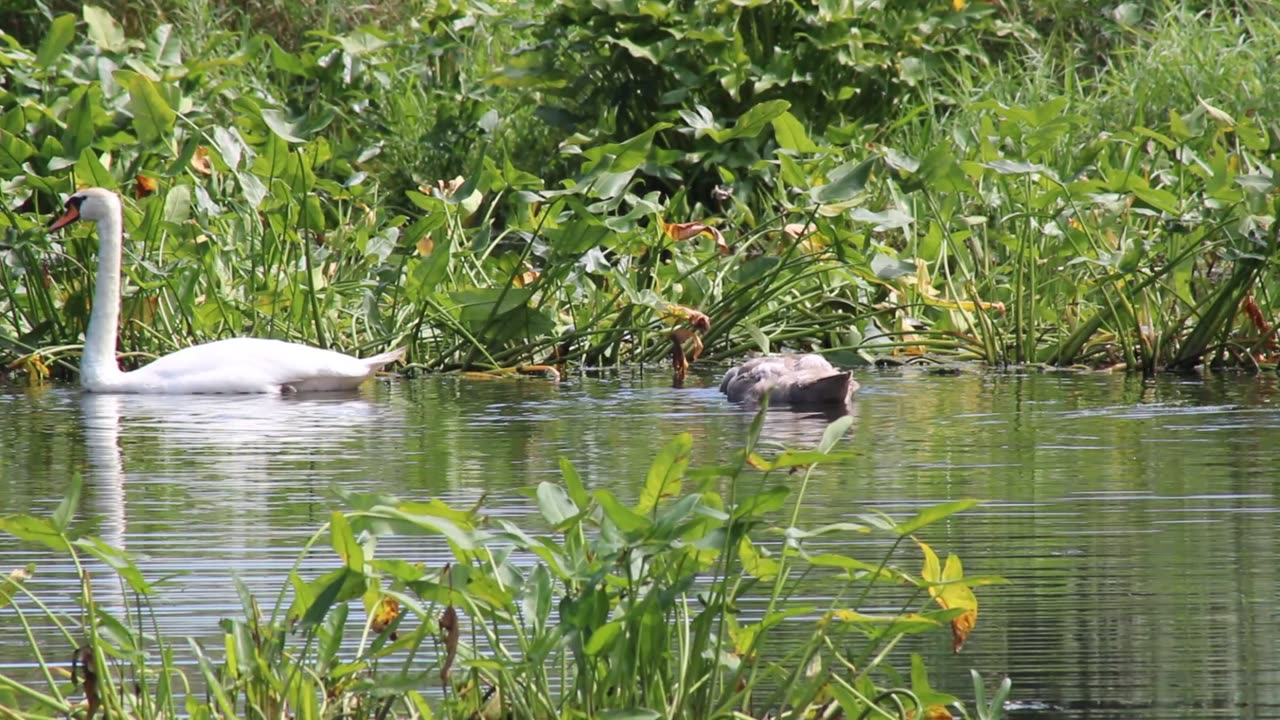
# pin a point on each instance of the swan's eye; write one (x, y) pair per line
(74, 202)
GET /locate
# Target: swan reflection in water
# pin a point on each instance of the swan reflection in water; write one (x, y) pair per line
(201, 480)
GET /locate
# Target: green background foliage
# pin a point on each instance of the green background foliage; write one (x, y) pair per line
(1057, 182)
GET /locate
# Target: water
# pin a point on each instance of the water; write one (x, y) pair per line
(1136, 520)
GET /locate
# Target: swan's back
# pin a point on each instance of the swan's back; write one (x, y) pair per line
(252, 365)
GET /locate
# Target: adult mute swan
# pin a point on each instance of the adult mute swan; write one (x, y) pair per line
(238, 365)
(807, 380)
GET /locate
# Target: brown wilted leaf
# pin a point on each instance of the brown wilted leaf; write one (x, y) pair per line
(200, 161)
(684, 231)
(144, 187)
(525, 278)
(83, 658)
(449, 635)
(426, 245)
(387, 612)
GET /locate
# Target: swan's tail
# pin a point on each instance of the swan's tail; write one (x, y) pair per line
(376, 362)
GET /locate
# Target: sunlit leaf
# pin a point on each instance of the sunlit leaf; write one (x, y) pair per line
(791, 135)
(756, 564)
(625, 518)
(666, 472)
(153, 118)
(933, 514)
(104, 31)
(954, 595)
(61, 32)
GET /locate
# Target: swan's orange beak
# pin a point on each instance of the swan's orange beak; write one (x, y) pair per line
(71, 215)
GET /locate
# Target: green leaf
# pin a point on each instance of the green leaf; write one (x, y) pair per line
(756, 564)
(630, 714)
(846, 182)
(666, 472)
(752, 121)
(67, 508)
(555, 504)
(603, 637)
(791, 135)
(13, 152)
(834, 432)
(335, 587)
(104, 31)
(34, 529)
(933, 514)
(573, 481)
(626, 519)
(153, 119)
(763, 502)
(118, 560)
(280, 124)
(344, 542)
(61, 32)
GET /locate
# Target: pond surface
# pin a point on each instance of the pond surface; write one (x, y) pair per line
(1137, 521)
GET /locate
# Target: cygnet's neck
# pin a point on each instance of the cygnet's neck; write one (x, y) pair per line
(98, 368)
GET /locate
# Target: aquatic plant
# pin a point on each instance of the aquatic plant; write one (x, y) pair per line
(683, 603)
(954, 181)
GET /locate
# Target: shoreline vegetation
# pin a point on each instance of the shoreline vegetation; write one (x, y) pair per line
(1063, 182)
(690, 602)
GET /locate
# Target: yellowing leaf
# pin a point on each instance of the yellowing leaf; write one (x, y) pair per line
(753, 563)
(954, 594)
(200, 161)
(426, 245)
(385, 614)
(684, 231)
(145, 186)
(958, 5)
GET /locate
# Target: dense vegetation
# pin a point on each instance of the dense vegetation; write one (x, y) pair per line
(1064, 181)
(691, 602)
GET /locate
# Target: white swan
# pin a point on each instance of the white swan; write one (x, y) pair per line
(804, 380)
(238, 365)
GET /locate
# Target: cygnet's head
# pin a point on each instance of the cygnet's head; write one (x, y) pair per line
(88, 204)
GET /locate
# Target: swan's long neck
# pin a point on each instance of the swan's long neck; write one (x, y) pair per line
(98, 366)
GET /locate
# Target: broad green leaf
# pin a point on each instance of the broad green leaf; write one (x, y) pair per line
(626, 519)
(104, 31)
(34, 529)
(70, 503)
(933, 514)
(90, 171)
(666, 472)
(13, 152)
(573, 481)
(752, 121)
(422, 522)
(166, 46)
(177, 204)
(334, 587)
(344, 542)
(118, 560)
(834, 432)
(791, 135)
(61, 32)
(153, 119)
(763, 502)
(754, 563)
(555, 504)
(281, 125)
(603, 637)
(920, 685)
(846, 182)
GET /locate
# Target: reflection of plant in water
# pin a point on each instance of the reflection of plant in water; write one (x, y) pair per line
(681, 604)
